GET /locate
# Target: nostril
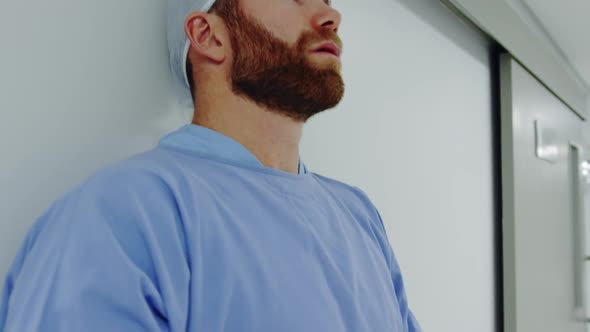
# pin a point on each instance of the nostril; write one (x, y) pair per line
(330, 25)
(327, 24)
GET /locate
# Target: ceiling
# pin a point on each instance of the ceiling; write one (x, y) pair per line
(568, 23)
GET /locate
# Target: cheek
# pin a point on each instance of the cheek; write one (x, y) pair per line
(286, 25)
(285, 19)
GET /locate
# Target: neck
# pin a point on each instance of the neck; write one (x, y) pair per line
(271, 137)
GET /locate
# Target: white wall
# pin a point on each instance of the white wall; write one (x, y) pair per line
(82, 83)
(414, 132)
(85, 83)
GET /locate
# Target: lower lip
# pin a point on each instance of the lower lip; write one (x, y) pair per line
(328, 54)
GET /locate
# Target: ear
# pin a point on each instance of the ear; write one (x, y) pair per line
(206, 35)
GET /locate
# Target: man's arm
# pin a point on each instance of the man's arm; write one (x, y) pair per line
(412, 324)
(107, 257)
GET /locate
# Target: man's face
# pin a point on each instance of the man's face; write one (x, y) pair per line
(296, 74)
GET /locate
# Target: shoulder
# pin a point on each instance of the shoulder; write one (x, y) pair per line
(134, 195)
(142, 188)
(347, 192)
(140, 179)
(127, 208)
(146, 168)
(360, 205)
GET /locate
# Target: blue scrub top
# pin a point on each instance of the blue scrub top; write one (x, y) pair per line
(197, 235)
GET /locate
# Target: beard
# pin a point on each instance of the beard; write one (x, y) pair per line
(278, 76)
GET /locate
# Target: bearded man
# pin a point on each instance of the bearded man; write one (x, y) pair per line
(220, 227)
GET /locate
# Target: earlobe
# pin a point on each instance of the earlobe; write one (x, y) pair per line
(202, 31)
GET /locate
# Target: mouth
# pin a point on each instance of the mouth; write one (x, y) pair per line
(329, 48)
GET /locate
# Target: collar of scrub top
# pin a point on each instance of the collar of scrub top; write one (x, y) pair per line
(206, 141)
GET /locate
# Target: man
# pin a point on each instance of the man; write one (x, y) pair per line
(220, 227)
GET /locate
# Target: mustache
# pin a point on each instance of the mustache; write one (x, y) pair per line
(312, 37)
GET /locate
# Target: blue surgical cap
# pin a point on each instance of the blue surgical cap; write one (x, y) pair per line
(178, 43)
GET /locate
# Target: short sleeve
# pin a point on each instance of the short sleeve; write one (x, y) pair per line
(108, 256)
(400, 290)
(410, 321)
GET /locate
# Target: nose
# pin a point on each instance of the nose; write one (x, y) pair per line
(327, 18)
